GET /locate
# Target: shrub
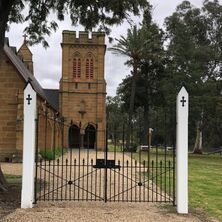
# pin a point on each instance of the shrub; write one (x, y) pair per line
(132, 148)
(50, 154)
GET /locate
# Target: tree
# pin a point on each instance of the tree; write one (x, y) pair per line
(195, 57)
(115, 118)
(131, 46)
(144, 49)
(90, 14)
(148, 91)
(152, 69)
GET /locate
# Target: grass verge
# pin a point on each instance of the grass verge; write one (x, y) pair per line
(52, 154)
(13, 179)
(204, 181)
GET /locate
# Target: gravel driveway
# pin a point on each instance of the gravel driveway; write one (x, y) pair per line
(98, 211)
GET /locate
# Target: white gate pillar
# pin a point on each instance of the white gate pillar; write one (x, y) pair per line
(182, 152)
(29, 136)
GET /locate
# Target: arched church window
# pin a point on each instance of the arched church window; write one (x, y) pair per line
(89, 68)
(76, 67)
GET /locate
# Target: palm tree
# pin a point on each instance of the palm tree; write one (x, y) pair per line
(132, 47)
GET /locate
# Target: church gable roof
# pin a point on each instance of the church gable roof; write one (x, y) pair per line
(53, 97)
(25, 47)
(24, 72)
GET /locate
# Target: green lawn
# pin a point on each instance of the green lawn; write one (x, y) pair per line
(112, 148)
(205, 181)
(13, 179)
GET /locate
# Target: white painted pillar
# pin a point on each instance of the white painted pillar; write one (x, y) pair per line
(29, 135)
(182, 152)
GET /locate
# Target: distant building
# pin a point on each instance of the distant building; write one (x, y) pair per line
(80, 99)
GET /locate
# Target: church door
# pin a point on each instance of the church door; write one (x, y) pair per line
(90, 137)
(74, 137)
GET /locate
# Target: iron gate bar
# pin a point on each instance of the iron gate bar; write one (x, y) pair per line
(139, 175)
(106, 157)
(57, 178)
(61, 161)
(51, 173)
(131, 176)
(115, 163)
(46, 127)
(161, 178)
(152, 180)
(72, 192)
(96, 157)
(167, 170)
(53, 144)
(174, 177)
(169, 199)
(70, 184)
(70, 173)
(87, 165)
(127, 163)
(144, 185)
(91, 180)
(83, 177)
(61, 177)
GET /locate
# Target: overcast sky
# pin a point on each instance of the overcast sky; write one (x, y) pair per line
(47, 63)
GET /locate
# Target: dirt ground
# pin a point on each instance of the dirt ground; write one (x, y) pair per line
(86, 211)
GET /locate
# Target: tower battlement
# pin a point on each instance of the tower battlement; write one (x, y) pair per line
(70, 37)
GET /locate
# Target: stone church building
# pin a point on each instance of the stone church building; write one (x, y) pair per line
(80, 98)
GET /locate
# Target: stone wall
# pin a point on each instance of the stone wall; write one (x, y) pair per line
(11, 115)
(11, 102)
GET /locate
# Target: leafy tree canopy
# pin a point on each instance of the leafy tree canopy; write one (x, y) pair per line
(195, 57)
(90, 14)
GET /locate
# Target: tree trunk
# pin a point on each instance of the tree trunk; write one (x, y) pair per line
(5, 8)
(131, 108)
(198, 148)
(3, 183)
(145, 126)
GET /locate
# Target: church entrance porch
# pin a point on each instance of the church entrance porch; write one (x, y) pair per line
(74, 136)
(90, 137)
(80, 138)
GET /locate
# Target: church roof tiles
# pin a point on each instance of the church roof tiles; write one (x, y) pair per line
(51, 97)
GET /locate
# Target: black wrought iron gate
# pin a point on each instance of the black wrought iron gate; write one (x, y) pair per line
(116, 173)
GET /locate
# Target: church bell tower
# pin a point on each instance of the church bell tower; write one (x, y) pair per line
(83, 89)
